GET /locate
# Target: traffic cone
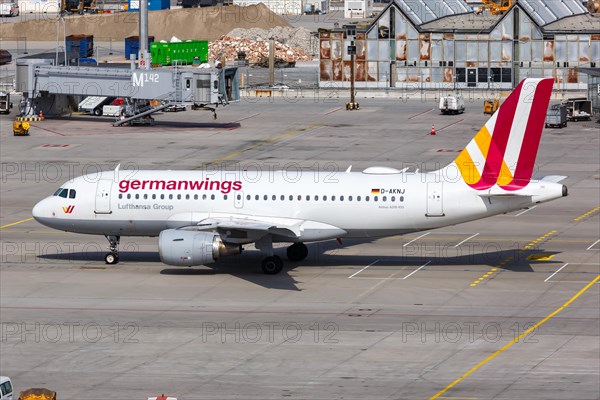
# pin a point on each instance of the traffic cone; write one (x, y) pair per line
(432, 133)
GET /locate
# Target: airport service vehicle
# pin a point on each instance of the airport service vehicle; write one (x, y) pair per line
(37, 394)
(200, 216)
(579, 109)
(94, 104)
(10, 9)
(6, 388)
(5, 104)
(453, 104)
(556, 116)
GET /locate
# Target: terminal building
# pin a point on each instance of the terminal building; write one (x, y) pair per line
(444, 44)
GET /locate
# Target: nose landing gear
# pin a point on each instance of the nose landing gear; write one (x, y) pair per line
(113, 256)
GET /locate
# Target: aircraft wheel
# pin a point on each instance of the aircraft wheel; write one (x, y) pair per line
(272, 265)
(111, 258)
(297, 252)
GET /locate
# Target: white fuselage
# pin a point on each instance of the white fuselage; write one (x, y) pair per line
(322, 205)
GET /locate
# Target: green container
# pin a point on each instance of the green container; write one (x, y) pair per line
(179, 53)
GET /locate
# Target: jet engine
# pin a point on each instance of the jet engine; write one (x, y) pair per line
(188, 248)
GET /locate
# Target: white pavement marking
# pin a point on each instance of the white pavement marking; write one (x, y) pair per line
(417, 238)
(557, 271)
(595, 243)
(424, 265)
(358, 272)
(524, 211)
(470, 237)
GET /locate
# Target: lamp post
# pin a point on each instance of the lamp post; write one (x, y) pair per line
(350, 35)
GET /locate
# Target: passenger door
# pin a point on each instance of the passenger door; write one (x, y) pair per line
(103, 196)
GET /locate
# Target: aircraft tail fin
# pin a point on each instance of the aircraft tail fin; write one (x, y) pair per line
(503, 152)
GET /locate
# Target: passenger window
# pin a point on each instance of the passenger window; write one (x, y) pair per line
(291, 197)
(349, 198)
(239, 196)
(203, 197)
(393, 198)
(332, 198)
(324, 198)
(316, 198)
(145, 196)
(224, 197)
(72, 194)
(162, 196)
(274, 198)
(282, 197)
(299, 197)
(129, 195)
(256, 197)
(137, 196)
(248, 197)
(170, 197)
(375, 198)
(195, 197)
(265, 197)
(384, 198)
(307, 198)
(212, 196)
(357, 198)
(120, 195)
(178, 197)
(341, 198)
(366, 198)
(154, 197)
(401, 198)
(187, 196)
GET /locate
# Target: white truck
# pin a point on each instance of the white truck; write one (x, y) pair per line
(6, 388)
(94, 104)
(452, 104)
(9, 9)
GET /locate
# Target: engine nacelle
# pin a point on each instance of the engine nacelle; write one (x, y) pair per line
(188, 248)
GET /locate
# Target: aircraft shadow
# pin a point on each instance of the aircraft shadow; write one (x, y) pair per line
(247, 265)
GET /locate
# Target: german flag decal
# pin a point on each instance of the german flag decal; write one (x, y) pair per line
(375, 191)
(68, 210)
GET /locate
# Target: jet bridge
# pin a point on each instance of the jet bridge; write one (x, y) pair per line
(51, 89)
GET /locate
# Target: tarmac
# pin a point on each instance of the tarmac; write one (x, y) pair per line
(501, 308)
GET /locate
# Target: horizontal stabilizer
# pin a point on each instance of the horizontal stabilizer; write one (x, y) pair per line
(553, 178)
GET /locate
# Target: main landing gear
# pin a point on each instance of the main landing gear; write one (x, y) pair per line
(273, 264)
(113, 256)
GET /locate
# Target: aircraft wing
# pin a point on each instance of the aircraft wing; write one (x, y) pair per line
(250, 228)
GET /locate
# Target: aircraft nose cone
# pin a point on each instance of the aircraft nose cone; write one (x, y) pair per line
(40, 211)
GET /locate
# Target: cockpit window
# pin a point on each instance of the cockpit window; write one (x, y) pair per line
(62, 192)
(72, 193)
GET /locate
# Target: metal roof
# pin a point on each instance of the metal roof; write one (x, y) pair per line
(547, 11)
(583, 23)
(422, 11)
(463, 23)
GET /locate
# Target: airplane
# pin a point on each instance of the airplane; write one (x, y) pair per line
(200, 216)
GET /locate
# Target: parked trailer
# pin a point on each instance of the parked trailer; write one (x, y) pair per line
(179, 53)
(556, 116)
(579, 109)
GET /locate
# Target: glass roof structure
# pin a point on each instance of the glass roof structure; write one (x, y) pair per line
(422, 11)
(547, 11)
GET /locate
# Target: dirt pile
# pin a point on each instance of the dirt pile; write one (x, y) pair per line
(254, 50)
(296, 38)
(208, 23)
